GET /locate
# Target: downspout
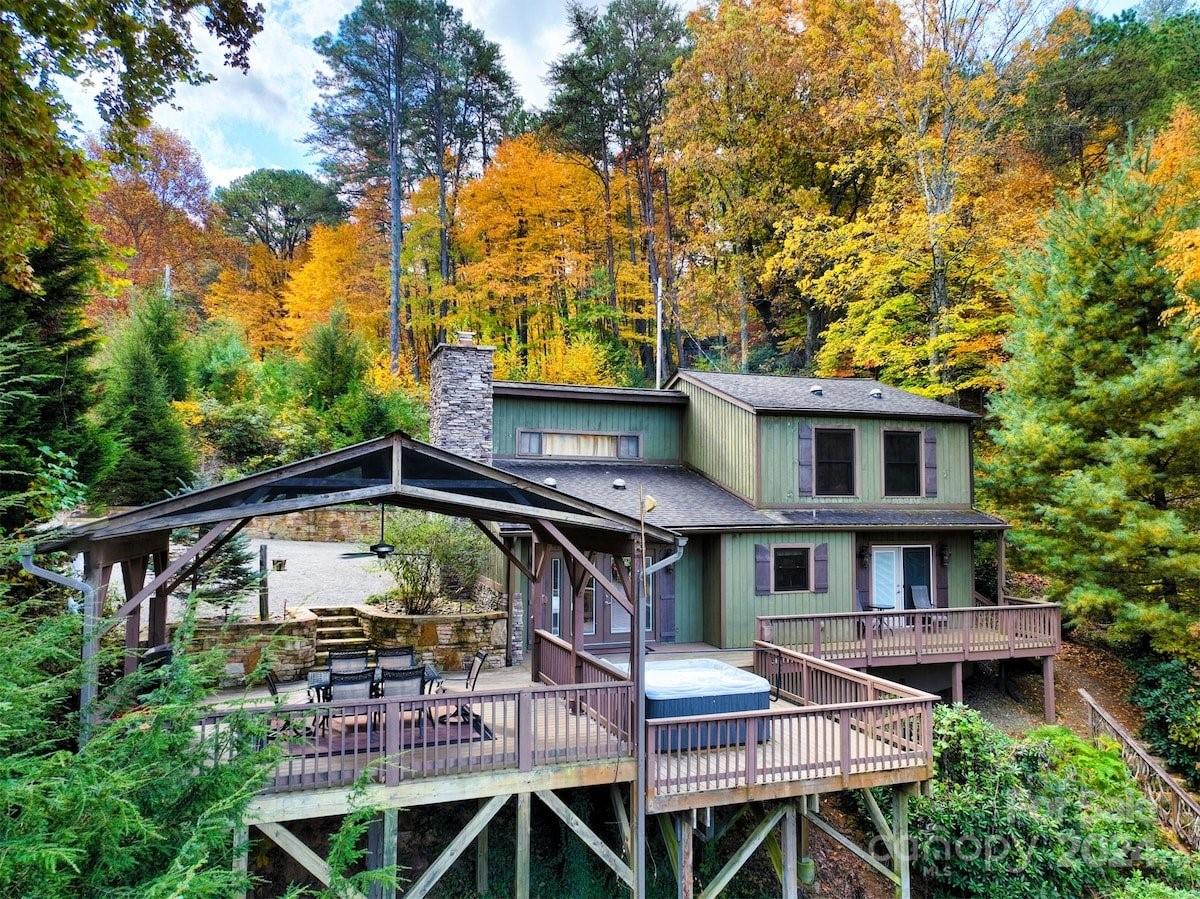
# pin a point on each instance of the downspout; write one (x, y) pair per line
(87, 691)
(639, 717)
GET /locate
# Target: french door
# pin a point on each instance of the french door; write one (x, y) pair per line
(896, 570)
(605, 621)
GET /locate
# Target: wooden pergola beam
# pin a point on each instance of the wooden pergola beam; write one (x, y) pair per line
(505, 549)
(557, 536)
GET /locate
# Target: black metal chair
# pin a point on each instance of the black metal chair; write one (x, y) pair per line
(397, 658)
(463, 711)
(404, 683)
(348, 662)
(349, 687)
(477, 664)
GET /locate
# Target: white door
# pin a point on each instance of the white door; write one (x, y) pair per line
(887, 582)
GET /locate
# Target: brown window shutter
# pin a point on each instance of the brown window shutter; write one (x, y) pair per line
(762, 569)
(821, 568)
(666, 604)
(931, 474)
(805, 449)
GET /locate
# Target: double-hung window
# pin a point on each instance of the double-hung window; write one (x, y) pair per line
(791, 568)
(902, 463)
(834, 457)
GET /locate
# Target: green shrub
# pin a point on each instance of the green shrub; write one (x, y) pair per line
(435, 556)
(1167, 692)
(1046, 816)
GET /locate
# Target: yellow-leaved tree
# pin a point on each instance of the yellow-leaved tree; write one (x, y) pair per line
(346, 268)
(250, 293)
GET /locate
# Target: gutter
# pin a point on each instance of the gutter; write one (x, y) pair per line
(91, 644)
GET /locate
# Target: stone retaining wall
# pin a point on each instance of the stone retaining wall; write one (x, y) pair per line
(291, 643)
(450, 641)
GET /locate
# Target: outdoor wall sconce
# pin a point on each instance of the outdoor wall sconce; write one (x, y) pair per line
(943, 552)
(863, 553)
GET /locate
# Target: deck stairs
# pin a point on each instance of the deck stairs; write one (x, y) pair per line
(338, 630)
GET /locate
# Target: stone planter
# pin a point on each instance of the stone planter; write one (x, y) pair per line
(290, 644)
(448, 640)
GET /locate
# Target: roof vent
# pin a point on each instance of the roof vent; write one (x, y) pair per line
(466, 338)
(619, 484)
(550, 482)
(816, 390)
(876, 393)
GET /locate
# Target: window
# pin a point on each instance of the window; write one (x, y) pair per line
(589, 607)
(790, 569)
(555, 594)
(902, 463)
(834, 453)
(579, 445)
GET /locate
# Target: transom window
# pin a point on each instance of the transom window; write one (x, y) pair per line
(902, 463)
(791, 568)
(834, 456)
(578, 444)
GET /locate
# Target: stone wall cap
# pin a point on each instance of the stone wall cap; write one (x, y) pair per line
(461, 346)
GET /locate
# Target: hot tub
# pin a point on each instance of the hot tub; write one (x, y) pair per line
(690, 688)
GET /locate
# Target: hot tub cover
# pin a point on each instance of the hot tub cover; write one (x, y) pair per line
(686, 678)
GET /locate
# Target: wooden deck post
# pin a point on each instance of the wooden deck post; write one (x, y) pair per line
(381, 852)
(956, 683)
(241, 852)
(791, 888)
(390, 835)
(900, 847)
(521, 887)
(158, 602)
(807, 872)
(1048, 689)
(1001, 573)
(683, 836)
(264, 599)
(481, 858)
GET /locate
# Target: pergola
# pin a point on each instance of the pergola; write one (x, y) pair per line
(394, 470)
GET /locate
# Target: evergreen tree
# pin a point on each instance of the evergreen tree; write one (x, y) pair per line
(155, 460)
(157, 319)
(52, 368)
(335, 360)
(228, 576)
(1097, 456)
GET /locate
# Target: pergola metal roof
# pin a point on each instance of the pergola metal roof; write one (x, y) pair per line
(394, 470)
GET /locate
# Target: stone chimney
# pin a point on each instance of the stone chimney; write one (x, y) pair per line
(460, 397)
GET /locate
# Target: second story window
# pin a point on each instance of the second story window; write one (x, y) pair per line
(834, 455)
(578, 445)
(901, 463)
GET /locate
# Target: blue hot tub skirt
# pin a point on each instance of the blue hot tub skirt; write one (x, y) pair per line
(708, 735)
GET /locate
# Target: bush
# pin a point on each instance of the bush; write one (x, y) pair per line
(435, 556)
(1046, 816)
(1167, 692)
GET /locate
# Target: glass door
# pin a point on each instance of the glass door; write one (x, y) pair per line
(886, 583)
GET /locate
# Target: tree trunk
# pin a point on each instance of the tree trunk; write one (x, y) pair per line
(397, 222)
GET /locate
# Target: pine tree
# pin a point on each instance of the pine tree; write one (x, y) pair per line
(58, 384)
(227, 577)
(157, 318)
(155, 458)
(1097, 457)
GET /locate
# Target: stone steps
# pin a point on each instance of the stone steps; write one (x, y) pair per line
(325, 634)
(338, 630)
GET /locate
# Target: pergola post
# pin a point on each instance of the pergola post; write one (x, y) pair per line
(97, 576)
(158, 602)
(133, 574)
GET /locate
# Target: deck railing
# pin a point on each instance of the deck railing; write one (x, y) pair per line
(1176, 809)
(912, 636)
(843, 724)
(557, 663)
(399, 740)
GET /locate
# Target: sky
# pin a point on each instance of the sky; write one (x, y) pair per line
(242, 122)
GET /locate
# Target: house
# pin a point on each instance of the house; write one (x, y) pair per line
(829, 501)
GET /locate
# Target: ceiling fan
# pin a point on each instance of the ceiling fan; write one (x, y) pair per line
(380, 550)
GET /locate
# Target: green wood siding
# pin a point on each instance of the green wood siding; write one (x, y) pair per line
(660, 426)
(741, 605)
(689, 601)
(714, 548)
(779, 458)
(720, 440)
(962, 569)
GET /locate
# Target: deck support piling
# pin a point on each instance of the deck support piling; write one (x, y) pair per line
(481, 858)
(807, 870)
(900, 846)
(381, 851)
(685, 886)
(791, 886)
(241, 852)
(390, 835)
(1048, 689)
(521, 887)
(427, 881)
(956, 683)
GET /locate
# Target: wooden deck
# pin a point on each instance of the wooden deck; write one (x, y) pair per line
(828, 728)
(916, 637)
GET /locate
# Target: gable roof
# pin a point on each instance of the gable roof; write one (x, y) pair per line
(836, 396)
(393, 470)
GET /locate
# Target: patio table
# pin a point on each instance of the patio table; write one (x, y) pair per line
(318, 681)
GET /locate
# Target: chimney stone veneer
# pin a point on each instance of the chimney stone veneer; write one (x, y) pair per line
(460, 398)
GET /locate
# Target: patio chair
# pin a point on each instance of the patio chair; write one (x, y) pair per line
(349, 687)
(404, 683)
(398, 658)
(462, 711)
(348, 662)
(921, 601)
